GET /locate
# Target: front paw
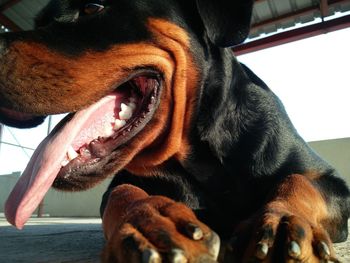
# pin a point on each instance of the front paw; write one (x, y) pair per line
(276, 236)
(157, 229)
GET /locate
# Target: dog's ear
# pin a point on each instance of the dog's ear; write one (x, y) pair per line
(227, 22)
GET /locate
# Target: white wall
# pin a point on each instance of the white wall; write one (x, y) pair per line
(56, 204)
(6, 184)
(336, 152)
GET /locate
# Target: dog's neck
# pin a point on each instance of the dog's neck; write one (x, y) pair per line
(225, 83)
(235, 106)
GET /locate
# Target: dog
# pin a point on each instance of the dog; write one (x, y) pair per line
(202, 152)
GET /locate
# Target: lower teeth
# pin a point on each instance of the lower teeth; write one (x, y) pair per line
(119, 124)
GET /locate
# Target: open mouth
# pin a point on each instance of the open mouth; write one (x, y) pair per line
(112, 122)
(80, 147)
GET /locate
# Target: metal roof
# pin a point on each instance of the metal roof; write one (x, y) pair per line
(19, 14)
(23, 12)
(269, 16)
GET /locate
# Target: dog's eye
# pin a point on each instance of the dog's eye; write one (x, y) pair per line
(92, 8)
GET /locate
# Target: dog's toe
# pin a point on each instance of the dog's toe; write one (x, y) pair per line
(158, 229)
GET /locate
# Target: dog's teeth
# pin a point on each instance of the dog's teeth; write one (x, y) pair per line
(108, 131)
(126, 112)
(71, 153)
(124, 107)
(119, 124)
(65, 162)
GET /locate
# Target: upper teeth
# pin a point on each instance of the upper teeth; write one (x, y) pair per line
(126, 112)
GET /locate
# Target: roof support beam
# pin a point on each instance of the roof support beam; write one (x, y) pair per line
(293, 35)
(324, 8)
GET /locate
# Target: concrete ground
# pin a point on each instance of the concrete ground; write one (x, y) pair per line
(67, 240)
(52, 240)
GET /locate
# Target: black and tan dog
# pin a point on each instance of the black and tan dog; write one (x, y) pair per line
(194, 139)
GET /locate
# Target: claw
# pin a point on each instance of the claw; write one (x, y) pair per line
(178, 256)
(194, 232)
(151, 256)
(214, 243)
(262, 249)
(323, 250)
(294, 250)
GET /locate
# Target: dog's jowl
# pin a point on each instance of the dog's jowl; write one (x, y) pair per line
(206, 165)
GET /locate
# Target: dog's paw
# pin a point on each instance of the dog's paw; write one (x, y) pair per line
(157, 229)
(274, 236)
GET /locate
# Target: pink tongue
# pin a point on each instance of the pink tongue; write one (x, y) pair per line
(46, 161)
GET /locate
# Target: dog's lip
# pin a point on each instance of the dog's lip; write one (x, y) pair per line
(16, 115)
(18, 119)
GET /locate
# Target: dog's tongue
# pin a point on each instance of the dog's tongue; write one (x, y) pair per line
(46, 161)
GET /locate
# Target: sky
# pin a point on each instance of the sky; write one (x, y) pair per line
(311, 77)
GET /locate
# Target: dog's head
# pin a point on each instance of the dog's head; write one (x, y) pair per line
(129, 73)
